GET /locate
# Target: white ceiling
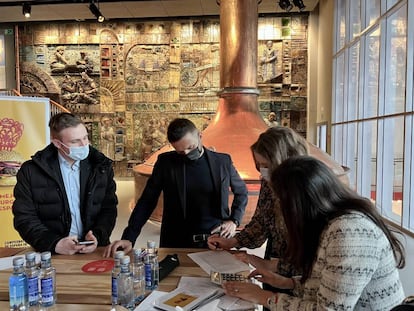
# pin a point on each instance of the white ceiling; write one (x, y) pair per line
(11, 11)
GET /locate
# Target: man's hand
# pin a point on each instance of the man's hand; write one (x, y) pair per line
(89, 248)
(68, 246)
(125, 246)
(227, 229)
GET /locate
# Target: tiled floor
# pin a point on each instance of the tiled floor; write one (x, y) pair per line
(151, 231)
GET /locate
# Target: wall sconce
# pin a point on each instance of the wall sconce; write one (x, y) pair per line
(95, 11)
(299, 4)
(285, 5)
(27, 9)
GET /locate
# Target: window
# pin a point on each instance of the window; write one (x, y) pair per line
(372, 113)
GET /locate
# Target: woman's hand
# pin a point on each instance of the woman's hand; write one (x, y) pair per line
(247, 291)
(215, 241)
(257, 262)
(271, 278)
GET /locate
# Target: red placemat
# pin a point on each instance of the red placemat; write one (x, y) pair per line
(98, 266)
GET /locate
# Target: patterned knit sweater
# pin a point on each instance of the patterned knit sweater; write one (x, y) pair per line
(355, 270)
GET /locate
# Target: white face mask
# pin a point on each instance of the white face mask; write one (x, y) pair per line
(77, 153)
(264, 171)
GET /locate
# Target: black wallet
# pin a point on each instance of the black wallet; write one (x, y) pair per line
(168, 264)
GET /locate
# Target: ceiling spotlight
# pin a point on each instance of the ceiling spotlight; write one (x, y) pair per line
(299, 4)
(95, 11)
(285, 5)
(27, 9)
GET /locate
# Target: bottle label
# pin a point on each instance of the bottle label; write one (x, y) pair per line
(148, 276)
(18, 291)
(47, 291)
(114, 290)
(33, 286)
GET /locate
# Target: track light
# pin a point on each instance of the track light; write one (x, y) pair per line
(299, 4)
(95, 11)
(27, 9)
(285, 5)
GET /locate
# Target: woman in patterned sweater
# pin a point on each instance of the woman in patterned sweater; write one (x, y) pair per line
(348, 256)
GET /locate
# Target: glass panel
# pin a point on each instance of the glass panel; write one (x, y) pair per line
(321, 134)
(368, 152)
(355, 17)
(337, 143)
(372, 11)
(372, 48)
(409, 184)
(353, 79)
(338, 109)
(340, 24)
(393, 168)
(351, 152)
(390, 3)
(395, 62)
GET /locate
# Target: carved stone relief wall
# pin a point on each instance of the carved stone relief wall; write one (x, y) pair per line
(129, 79)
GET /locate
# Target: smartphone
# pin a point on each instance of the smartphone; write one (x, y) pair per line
(85, 242)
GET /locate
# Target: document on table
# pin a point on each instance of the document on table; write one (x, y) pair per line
(225, 302)
(218, 261)
(148, 303)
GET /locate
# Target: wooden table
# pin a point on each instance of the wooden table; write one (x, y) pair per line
(77, 290)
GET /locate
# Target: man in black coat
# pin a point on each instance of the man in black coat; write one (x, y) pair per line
(66, 192)
(195, 183)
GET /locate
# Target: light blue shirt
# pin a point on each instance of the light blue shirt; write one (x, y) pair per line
(71, 179)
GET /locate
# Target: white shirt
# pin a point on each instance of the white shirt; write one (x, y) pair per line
(71, 180)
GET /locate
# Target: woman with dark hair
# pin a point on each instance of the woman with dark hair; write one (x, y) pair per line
(272, 147)
(348, 256)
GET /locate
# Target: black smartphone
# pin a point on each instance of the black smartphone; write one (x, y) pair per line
(86, 242)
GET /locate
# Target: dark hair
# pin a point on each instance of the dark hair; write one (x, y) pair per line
(178, 128)
(310, 196)
(279, 143)
(61, 121)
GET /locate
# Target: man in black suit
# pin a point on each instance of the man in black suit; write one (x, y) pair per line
(195, 183)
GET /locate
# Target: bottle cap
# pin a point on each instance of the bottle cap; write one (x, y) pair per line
(150, 244)
(119, 254)
(18, 261)
(125, 260)
(45, 255)
(30, 256)
(137, 252)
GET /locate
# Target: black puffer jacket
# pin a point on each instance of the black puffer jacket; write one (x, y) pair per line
(41, 209)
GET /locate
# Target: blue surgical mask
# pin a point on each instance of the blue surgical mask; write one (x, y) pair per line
(264, 171)
(77, 153)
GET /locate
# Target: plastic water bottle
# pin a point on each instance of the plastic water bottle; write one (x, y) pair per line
(126, 285)
(32, 272)
(47, 280)
(138, 271)
(151, 267)
(115, 274)
(18, 286)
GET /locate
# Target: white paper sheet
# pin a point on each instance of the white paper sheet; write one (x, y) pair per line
(148, 303)
(218, 261)
(226, 303)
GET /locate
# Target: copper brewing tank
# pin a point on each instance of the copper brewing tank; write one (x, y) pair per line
(237, 123)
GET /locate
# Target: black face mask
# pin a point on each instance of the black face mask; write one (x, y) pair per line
(195, 153)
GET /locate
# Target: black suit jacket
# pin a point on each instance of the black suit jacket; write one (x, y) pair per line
(168, 176)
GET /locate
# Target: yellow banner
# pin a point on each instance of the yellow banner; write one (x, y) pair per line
(23, 131)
